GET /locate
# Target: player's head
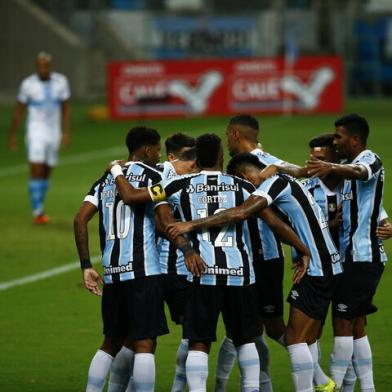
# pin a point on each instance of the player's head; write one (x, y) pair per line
(351, 133)
(144, 144)
(242, 132)
(186, 162)
(322, 147)
(178, 143)
(247, 166)
(43, 65)
(209, 151)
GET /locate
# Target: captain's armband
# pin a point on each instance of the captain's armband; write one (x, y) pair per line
(157, 193)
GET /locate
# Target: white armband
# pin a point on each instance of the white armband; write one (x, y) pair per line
(116, 171)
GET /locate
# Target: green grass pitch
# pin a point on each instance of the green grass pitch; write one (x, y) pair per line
(49, 330)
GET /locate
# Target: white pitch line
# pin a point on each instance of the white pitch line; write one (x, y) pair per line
(44, 274)
(70, 160)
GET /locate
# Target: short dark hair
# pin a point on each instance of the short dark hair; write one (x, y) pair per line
(207, 150)
(141, 136)
(355, 125)
(188, 155)
(246, 120)
(324, 140)
(242, 160)
(179, 140)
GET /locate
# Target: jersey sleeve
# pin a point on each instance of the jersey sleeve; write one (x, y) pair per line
(371, 162)
(271, 189)
(23, 93)
(383, 214)
(65, 92)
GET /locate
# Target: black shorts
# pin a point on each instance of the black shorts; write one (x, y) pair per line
(269, 284)
(134, 309)
(175, 294)
(355, 291)
(237, 304)
(312, 295)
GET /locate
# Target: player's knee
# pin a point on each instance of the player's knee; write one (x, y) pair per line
(145, 346)
(111, 345)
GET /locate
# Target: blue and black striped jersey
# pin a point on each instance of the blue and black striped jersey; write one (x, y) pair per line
(127, 233)
(226, 249)
(306, 219)
(171, 259)
(265, 243)
(362, 206)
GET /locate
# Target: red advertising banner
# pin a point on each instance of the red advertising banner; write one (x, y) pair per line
(211, 87)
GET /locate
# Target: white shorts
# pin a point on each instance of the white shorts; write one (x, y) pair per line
(43, 151)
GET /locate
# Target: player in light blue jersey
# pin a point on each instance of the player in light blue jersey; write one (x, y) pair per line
(227, 283)
(363, 251)
(181, 159)
(310, 297)
(243, 137)
(131, 268)
(46, 95)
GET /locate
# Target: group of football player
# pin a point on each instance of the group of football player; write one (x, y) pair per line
(208, 242)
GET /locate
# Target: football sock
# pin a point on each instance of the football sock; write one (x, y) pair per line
(99, 369)
(349, 379)
(362, 361)
(302, 367)
(226, 357)
(37, 192)
(179, 383)
(248, 361)
(197, 371)
(144, 372)
(340, 358)
(263, 351)
(319, 377)
(121, 370)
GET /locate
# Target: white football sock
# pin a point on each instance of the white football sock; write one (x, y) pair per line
(248, 361)
(197, 371)
(179, 383)
(362, 361)
(349, 379)
(263, 351)
(99, 369)
(340, 358)
(226, 357)
(121, 370)
(302, 367)
(144, 372)
(319, 377)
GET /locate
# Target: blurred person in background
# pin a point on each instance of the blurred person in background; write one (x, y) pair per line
(46, 95)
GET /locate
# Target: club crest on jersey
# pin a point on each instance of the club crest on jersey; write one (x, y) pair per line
(347, 196)
(331, 207)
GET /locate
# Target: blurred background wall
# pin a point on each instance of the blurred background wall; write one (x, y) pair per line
(84, 35)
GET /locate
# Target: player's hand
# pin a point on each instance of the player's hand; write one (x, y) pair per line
(384, 231)
(120, 162)
(194, 263)
(177, 228)
(269, 171)
(337, 221)
(300, 267)
(66, 139)
(92, 281)
(12, 142)
(317, 168)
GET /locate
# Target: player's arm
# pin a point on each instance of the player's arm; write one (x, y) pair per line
(193, 261)
(251, 207)
(384, 229)
(16, 119)
(289, 237)
(65, 116)
(284, 168)
(131, 195)
(317, 168)
(91, 278)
